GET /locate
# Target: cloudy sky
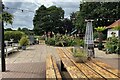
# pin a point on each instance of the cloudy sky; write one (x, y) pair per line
(24, 19)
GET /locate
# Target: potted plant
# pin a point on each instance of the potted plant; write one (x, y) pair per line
(99, 30)
(79, 55)
(24, 42)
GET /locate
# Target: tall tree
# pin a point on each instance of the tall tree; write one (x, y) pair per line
(103, 13)
(48, 19)
(68, 25)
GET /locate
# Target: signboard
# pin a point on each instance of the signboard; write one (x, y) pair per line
(110, 32)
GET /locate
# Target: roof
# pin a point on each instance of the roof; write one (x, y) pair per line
(115, 24)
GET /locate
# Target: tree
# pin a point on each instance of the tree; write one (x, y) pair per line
(48, 19)
(26, 31)
(8, 29)
(6, 17)
(68, 25)
(19, 29)
(103, 14)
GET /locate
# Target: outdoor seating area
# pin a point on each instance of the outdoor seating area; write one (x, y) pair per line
(88, 70)
(59, 39)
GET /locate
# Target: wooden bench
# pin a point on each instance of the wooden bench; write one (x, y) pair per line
(90, 70)
(52, 71)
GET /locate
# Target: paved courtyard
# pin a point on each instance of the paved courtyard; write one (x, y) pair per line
(29, 63)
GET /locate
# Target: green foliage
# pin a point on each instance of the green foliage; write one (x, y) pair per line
(98, 11)
(16, 35)
(100, 29)
(50, 41)
(112, 44)
(24, 41)
(79, 42)
(48, 19)
(117, 28)
(79, 53)
(96, 35)
(7, 17)
(61, 40)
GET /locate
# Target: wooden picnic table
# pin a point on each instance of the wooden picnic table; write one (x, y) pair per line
(90, 70)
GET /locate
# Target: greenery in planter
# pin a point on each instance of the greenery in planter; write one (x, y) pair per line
(24, 41)
(79, 42)
(99, 30)
(80, 55)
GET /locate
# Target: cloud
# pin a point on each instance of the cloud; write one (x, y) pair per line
(24, 19)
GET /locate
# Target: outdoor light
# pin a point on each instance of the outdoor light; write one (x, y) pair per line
(97, 19)
(101, 19)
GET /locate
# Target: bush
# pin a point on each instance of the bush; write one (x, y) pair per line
(79, 55)
(104, 36)
(61, 40)
(50, 41)
(16, 35)
(79, 42)
(112, 44)
(24, 41)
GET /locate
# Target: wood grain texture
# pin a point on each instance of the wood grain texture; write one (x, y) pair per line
(71, 68)
(52, 71)
(94, 69)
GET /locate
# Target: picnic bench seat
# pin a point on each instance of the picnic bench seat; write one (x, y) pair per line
(9, 50)
(52, 71)
(93, 69)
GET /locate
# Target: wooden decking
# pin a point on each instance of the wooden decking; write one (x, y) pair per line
(89, 70)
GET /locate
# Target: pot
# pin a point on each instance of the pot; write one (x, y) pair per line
(80, 59)
(24, 47)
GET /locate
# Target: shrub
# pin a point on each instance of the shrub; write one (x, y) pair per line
(24, 41)
(79, 55)
(61, 40)
(112, 44)
(77, 52)
(15, 35)
(104, 36)
(50, 41)
(79, 42)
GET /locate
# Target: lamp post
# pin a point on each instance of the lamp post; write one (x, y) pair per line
(3, 66)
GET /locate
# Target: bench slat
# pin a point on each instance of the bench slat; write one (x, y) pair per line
(71, 68)
(56, 70)
(99, 70)
(107, 67)
(50, 73)
(85, 69)
(104, 67)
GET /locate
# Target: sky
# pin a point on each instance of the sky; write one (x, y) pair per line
(24, 19)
